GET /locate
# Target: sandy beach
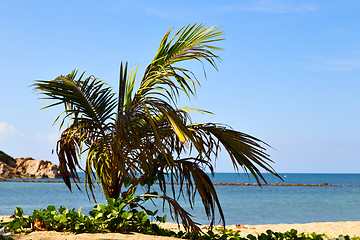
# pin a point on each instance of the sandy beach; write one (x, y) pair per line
(331, 229)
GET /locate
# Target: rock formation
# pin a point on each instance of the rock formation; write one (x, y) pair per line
(26, 168)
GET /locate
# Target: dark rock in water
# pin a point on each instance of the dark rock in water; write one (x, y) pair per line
(26, 168)
(326, 184)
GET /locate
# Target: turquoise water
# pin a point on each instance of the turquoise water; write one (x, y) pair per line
(302, 178)
(241, 204)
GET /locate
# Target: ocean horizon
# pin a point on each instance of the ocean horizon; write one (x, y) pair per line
(241, 204)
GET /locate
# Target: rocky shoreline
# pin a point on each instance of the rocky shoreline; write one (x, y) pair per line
(26, 168)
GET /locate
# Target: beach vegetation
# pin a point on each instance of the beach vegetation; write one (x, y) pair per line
(128, 215)
(20, 223)
(140, 136)
(122, 215)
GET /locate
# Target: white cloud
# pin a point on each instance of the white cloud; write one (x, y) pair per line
(340, 31)
(159, 13)
(119, 5)
(53, 137)
(49, 138)
(6, 130)
(320, 63)
(261, 6)
(39, 136)
(269, 6)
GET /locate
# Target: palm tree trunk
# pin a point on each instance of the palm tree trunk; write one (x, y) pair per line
(113, 190)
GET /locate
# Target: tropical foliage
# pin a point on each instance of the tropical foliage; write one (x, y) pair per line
(140, 136)
(118, 215)
(124, 215)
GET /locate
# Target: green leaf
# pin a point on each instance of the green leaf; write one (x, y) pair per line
(79, 211)
(63, 219)
(144, 218)
(19, 212)
(16, 225)
(99, 215)
(127, 215)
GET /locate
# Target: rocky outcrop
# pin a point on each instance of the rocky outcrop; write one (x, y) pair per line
(26, 168)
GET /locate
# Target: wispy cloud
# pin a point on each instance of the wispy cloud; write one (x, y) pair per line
(270, 6)
(159, 13)
(8, 133)
(260, 6)
(119, 5)
(321, 63)
(340, 31)
(6, 130)
(311, 145)
(47, 137)
(53, 137)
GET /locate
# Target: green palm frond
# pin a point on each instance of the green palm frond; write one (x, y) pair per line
(244, 150)
(122, 86)
(90, 98)
(189, 43)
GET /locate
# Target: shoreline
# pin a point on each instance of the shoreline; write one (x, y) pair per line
(331, 229)
(36, 180)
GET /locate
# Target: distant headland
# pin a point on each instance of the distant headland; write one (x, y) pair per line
(26, 167)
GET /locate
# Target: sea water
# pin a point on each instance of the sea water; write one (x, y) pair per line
(240, 204)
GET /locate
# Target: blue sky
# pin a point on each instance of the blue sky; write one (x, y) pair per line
(289, 74)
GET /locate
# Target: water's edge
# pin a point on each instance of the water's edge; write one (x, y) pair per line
(242, 201)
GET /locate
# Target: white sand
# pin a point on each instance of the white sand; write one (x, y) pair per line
(331, 229)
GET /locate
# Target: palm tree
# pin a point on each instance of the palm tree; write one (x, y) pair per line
(141, 137)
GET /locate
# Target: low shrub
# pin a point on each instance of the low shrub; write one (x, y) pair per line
(128, 215)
